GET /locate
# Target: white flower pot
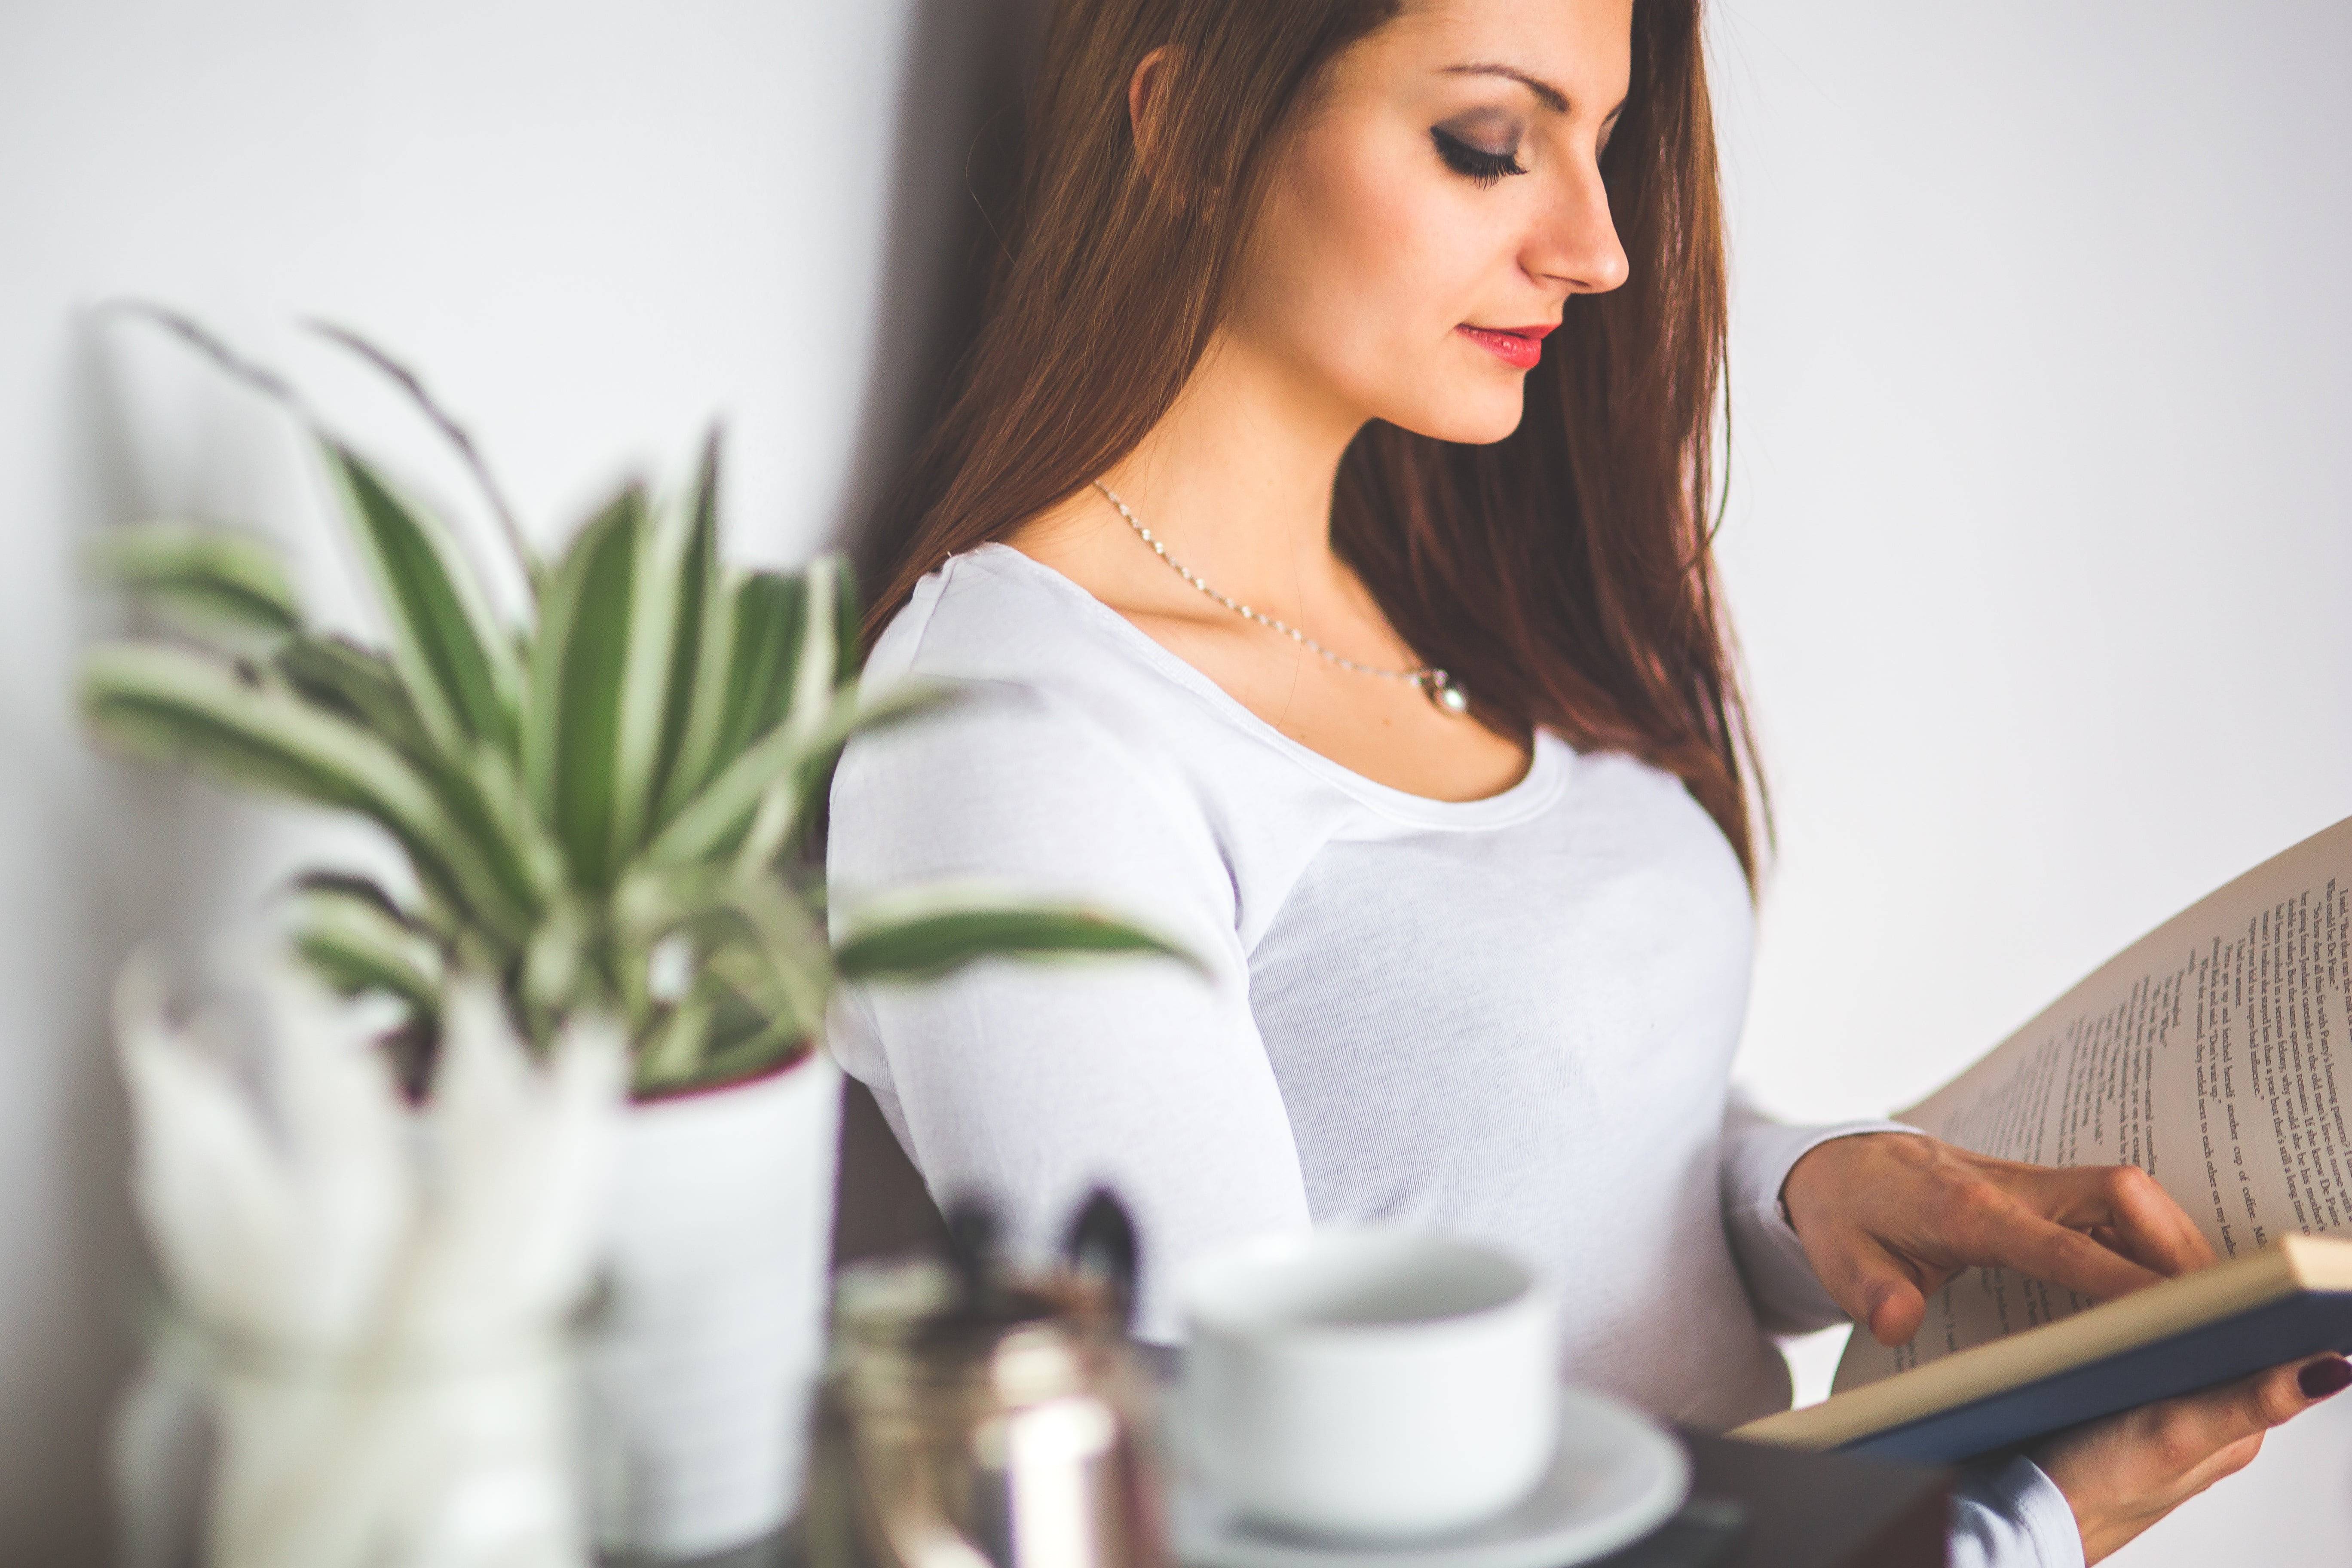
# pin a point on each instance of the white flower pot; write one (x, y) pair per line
(701, 1370)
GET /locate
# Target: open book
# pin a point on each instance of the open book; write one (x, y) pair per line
(2216, 1055)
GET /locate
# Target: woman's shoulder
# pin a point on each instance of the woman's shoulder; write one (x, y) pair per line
(1058, 759)
(1065, 724)
(995, 613)
(1047, 661)
(1043, 680)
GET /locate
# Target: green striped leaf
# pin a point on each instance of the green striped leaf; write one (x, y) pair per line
(748, 1054)
(771, 618)
(771, 953)
(671, 1054)
(337, 673)
(578, 664)
(847, 657)
(786, 755)
(351, 934)
(819, 667)
(353, 887)
(556, 962)
(458, 668)
(701, 593)
(706, 701)
(166, 703)
(761, 973)
(923, 933)
(209, 581)
(741, 680)
(245, 727)
(677, 575)
(723, 1039)
(515, 868)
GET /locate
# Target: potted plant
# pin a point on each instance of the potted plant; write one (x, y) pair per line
(605, 808)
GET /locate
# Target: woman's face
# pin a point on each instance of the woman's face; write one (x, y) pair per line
(1433, 215)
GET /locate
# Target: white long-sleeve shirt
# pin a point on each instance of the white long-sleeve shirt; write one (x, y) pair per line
(1513, 1018)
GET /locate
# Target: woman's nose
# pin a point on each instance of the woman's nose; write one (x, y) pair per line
(1575, 242)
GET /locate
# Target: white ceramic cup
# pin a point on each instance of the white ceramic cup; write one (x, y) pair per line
(1368, 1383)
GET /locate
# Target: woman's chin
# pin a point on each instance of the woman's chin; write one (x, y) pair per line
(1475, 418)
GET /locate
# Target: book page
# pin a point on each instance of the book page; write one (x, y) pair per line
(2213, 1054)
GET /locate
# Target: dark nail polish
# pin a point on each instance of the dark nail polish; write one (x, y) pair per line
(2322, 1378)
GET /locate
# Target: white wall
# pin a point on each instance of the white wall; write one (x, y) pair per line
(2040, 349)
(2038, 537)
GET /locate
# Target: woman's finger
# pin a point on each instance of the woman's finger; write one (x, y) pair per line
(2016, 1236)
(1880, 1291)
(2124, 1201)
(2123, 1473)
(2196, 1428)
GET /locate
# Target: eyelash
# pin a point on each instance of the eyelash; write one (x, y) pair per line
(1474, 164)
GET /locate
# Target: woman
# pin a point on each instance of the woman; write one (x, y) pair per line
(1321, 530)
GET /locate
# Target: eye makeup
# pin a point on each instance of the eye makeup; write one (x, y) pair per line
(1482, 166)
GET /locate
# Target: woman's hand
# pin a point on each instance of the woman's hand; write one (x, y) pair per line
(2123, 1474)
(1887, 1218)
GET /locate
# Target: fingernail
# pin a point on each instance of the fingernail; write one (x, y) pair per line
(2322, 1378)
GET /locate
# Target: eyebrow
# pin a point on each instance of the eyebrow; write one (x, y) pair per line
(1551, 96)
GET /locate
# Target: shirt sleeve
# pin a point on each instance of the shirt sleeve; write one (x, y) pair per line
(1028, 1082)
(1758, 1154)
(2012, 1516)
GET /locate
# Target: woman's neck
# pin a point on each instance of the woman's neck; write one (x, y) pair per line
(1236, 481)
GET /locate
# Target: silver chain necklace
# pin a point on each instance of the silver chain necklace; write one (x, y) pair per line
(1440, 688)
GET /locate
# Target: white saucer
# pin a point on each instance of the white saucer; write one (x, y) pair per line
(1618, 1475)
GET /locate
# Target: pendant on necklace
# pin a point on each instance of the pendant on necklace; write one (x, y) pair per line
(1436, 684)
(1439, 687)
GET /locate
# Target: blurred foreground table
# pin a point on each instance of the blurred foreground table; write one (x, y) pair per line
(1756, 1506)
(1752, 1506)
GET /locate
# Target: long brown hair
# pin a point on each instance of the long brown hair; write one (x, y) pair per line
(1564, 573)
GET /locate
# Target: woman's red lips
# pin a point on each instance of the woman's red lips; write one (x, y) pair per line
(1518, 347)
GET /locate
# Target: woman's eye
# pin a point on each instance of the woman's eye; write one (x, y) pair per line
(1474, 162)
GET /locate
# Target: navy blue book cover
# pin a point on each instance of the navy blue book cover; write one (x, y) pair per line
(2303, 1324)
